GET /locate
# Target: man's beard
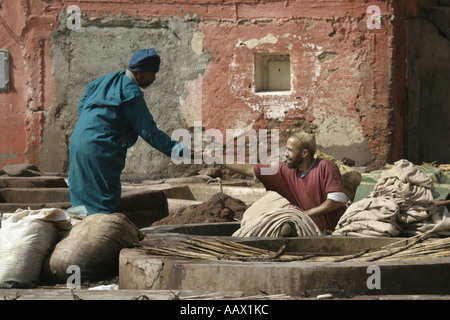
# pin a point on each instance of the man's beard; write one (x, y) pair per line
(145, 85)
(294, 163)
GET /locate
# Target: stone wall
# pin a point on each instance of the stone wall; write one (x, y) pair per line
(342, 73)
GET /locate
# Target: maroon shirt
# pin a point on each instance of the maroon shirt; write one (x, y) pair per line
(308, 191)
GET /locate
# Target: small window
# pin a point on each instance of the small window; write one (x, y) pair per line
(4, 70)
(272, 72)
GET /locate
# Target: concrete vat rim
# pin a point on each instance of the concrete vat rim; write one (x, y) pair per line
(138, 270)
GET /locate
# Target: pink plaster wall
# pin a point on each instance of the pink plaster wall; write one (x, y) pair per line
(357, 82)
(24, 33)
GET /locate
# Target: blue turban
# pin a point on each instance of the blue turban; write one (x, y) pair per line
(145, 60)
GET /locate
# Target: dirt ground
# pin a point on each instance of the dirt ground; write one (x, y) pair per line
(219, 208)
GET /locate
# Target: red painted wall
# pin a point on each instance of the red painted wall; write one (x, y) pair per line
(24, 33)
(226, 90)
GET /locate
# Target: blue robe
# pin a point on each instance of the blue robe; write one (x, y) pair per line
(112, 114)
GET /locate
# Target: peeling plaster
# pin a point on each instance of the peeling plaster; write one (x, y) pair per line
(252, 43)
(191, 106)
(197, 42)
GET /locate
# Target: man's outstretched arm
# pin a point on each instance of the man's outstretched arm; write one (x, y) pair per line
(244, 169)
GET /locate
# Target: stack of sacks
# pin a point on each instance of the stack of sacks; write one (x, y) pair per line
(401, 203)
(372, 217)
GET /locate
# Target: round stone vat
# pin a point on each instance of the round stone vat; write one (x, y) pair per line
(143, 271)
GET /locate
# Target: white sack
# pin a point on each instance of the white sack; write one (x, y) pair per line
(26, 238)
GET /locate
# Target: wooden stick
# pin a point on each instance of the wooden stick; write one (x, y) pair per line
(272, 257)
(353, 256)
(215, 247)
(230, 245)
(392, 252)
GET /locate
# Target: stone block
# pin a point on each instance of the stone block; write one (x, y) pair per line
(143, 207)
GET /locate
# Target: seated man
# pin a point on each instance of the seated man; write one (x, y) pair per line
(314, 186)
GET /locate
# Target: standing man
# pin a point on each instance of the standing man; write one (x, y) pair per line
(313, 185)
(112, 114)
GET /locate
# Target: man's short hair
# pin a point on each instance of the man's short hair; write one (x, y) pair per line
(307, 141)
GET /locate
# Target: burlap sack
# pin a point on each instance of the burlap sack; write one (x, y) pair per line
(351, 177)
(93, 245)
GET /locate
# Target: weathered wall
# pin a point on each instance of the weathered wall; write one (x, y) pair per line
(23, 32)
(105, 45)
(341, 73)
(429, 54)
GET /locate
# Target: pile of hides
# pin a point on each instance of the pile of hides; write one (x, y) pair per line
(265, 217)
(401, 204)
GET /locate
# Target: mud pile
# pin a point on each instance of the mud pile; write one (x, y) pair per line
(219, 208)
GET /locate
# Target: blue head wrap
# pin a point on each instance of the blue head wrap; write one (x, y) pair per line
(145, 60)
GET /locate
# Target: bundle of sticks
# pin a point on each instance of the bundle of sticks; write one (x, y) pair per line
(418, 247)
(414, 248)
(217, 249)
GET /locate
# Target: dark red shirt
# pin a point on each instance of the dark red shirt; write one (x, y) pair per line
(309, 191)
